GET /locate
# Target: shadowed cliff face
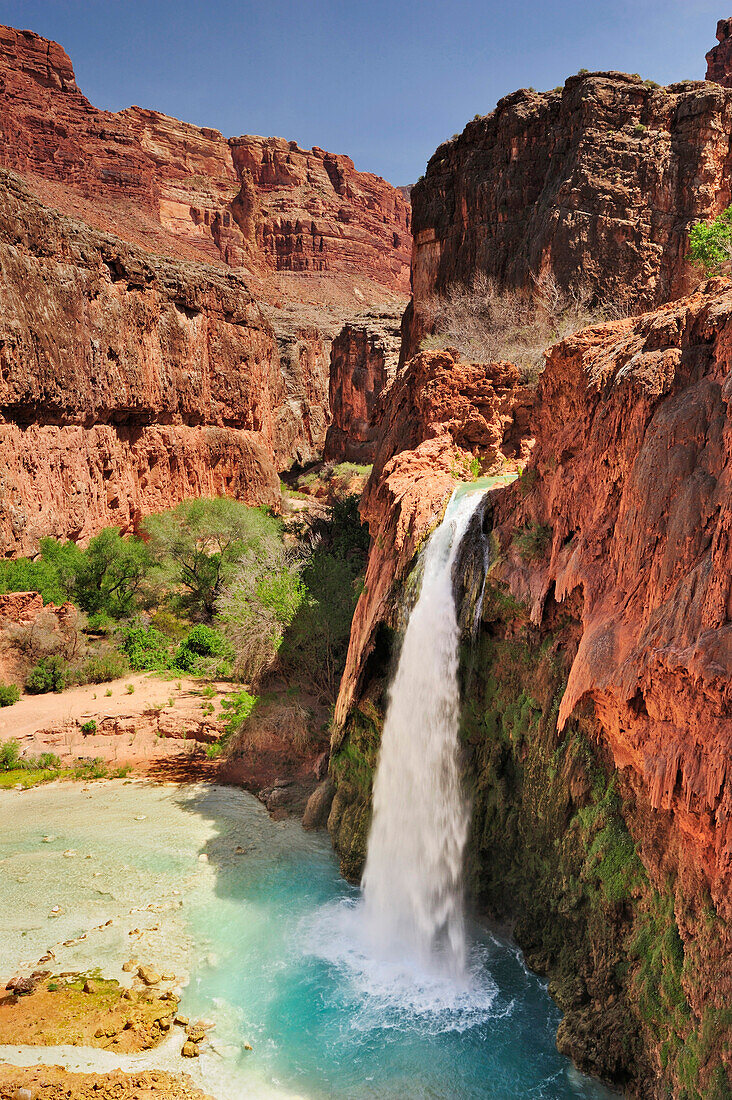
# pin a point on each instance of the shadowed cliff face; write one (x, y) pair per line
(261, 203)
(363, 363)
(597, 182)
(127, 382)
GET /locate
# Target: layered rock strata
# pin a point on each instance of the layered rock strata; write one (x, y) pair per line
(127, 382)
(440, 413)
(262, 203)
(363, 363)
(597, 183)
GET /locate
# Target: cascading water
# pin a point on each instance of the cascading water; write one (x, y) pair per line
(412, 886)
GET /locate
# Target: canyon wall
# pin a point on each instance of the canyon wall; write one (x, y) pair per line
(596, 182)
(317, 241)
(363, 363)
(261, 203)
(127, 382)
(719, 58)
(597, 725)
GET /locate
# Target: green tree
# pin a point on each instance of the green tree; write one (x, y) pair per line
(199, 542)
(110, 573)
(710, 243)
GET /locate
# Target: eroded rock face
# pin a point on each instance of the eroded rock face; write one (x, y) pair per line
(597, 729)
(632, 480)
(261, 203)
(438, 413)
(719, 58)
(597, 182)
(363, 363)
(127, 382)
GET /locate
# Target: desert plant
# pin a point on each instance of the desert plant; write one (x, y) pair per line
(50, 674)
(146, 648)
(533, 540)
(89, 727)
(200, 541)
(10, 755)
(485, 322)
(100, 669)
(9, 694)
(710, 243)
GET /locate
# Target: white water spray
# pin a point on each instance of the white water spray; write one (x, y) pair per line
(412, 882)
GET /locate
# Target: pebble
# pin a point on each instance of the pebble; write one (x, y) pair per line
(190, 1050)
(22, 1094)
(203, 858)
(48, 839)
(70, 853)
(140, 817)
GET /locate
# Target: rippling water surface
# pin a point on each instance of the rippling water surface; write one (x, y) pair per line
(255, 914)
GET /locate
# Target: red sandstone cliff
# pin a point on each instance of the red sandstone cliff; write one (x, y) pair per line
(632, 474)
(187, 191)
(127, 382)
(597, 182)
(617, 544)
(439, 413)
(719, 58)
(363, 363)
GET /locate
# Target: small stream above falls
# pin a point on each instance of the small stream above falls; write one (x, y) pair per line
(270, 938)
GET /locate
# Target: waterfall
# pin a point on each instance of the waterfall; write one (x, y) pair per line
(412, 882)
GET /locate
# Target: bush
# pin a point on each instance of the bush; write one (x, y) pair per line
(147, 649)
(533, 540)
(201, 642)
(89, 727)
(237, 708)
(710, 244)
(50, 674)
(23, 575)
(485, 322)
(9, 755)
(200, 542)
(9, 694)
(103, 668)
(109, 573)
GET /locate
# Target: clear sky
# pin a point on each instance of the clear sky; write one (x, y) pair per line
(382, 80)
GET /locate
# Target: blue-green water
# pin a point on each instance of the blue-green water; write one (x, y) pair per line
(326, 1021)
(201, 881)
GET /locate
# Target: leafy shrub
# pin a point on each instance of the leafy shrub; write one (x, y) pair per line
(50, 674)
(89, 727)
(9, 755)
(104, 667)
(710, 244)
(532, 541)
(200, 542)
(110, 572)
(9, 694)
(237, 708)
(146, 648)
(24, 575)
(169, 624)
(200, 643)
(99, 622)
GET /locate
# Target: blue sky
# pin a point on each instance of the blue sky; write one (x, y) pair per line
(385, 82)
